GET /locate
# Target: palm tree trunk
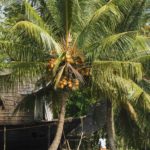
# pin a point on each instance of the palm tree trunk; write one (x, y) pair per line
(57, 139)
(110, 126)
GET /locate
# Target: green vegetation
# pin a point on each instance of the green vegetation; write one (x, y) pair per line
(80, 102)
(60, 41)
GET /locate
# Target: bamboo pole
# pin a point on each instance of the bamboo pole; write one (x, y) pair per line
(4, 138)
(81, 135)
(48, 136)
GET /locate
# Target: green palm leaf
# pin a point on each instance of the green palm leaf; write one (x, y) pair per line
(142, 57)
(61, 13)
(127, 70)
(33, 16)
(18, 51)
(118, 87)
(38, 34)
(130, 109)
(59, 75)
(98, 22)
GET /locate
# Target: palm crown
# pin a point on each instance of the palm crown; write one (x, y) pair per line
(67, 35)
(70, 29)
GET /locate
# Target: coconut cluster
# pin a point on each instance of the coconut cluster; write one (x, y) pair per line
(67, 58)
(85, 71)
(68, 83)
(51, 63)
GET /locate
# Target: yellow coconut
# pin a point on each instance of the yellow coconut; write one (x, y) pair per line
(69, 81)
(69, 60)
(70, 85)
(76, 82)
(61, 86)
(68, 56)
(75, 87)
(51, 65)
(65, 82)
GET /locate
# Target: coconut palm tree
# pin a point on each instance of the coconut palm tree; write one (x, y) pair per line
(66, 36)
(106, 82)
(118, 84)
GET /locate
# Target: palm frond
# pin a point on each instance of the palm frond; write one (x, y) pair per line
(130, 109)
(19, 52)
(76, 73)
(112, 44)
(127, 70)
(34, 16)
(137, 56)
(83, 12)
(123, 90)
(145, 84)
(24, 70)
(119, 46)
(29, 68)
(117, 86)
(20, 73)
(87, 8)
(57, 63)
(141, 43)
(59, 76)
(5, 66)
(54, 17)
(134, 14)
(144, 59)
(61, 13)
(6, 2)
(98, 22)
(130, 129)
(38, 34)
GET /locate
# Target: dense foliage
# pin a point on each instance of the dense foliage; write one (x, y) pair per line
(83, 31)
